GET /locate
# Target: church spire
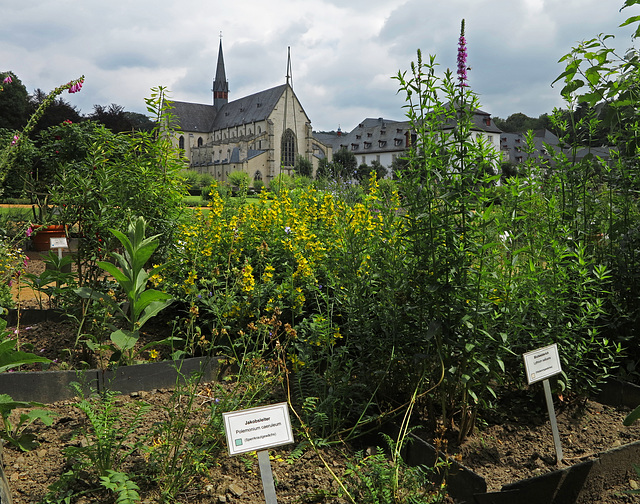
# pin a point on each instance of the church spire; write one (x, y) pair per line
(220, 84)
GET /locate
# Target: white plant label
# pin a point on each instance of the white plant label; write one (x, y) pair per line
(542, 363)
(55, 243)
(257, 429)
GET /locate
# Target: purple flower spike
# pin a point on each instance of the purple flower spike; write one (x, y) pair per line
(462, 58)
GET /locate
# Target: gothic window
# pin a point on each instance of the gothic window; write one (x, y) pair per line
(288, 149)
(199, 141)
(257, 175)
(181, 142)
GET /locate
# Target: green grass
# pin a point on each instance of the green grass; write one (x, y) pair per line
(15, 213)
(194, 201)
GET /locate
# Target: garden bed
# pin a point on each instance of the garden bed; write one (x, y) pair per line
(231, 479)
(513, 445)
(510, 459)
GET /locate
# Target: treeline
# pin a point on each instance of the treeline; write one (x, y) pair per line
(17, 105)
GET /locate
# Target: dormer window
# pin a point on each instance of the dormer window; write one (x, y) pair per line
(383, 131)
(367, 145)
(358, 137)
(369, 135)
(487, 121)
(382, 143)
(354, 146)
(398, 142)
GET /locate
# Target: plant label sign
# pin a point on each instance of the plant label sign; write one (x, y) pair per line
(542, 363)
(257, 429)
(58, 243)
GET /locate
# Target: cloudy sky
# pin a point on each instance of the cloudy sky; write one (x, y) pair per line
(344, 52)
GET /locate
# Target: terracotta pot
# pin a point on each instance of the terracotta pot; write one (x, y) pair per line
(42, 234)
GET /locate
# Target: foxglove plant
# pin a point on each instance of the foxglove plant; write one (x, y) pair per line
(7, 154)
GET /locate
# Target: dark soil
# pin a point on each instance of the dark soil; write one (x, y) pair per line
(512, 444)
(517, 443)
(229, 479)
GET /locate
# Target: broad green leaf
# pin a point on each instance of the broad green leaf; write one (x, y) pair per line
(7, 404)
(10, 360)
(632, 417)
(154, 308)
(112, 269)
(124, 340)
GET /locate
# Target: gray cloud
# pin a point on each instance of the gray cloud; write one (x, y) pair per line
(343, 53)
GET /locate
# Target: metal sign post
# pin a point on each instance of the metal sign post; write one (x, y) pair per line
(540, 364)
(257, 429)
(59, 244)
(267, 477)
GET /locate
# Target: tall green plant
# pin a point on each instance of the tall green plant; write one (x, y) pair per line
(141, 303)
(448, 190)
(119, 177)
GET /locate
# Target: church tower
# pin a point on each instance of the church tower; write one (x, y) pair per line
(220, 84)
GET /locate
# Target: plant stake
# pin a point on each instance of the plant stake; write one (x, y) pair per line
(258, 429)
(540, 364)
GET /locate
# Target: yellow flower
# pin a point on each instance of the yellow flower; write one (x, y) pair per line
(267, 276)
(247, 280)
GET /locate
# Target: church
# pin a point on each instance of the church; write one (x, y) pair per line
(261, 134)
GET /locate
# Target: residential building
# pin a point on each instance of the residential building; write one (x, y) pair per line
(545, 146)
(381, 140)
(385, 140)
(513, 146)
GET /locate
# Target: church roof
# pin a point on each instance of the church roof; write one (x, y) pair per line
(255, 107)
(194, 116)
(205, 118)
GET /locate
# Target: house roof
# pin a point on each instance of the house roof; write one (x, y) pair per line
(370, 136)
(481, 120)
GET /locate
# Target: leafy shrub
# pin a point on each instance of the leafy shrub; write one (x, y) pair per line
(238, 179)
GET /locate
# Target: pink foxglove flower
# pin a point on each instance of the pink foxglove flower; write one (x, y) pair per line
(15, 139)
(462, 58)
(7, 80)
(29, 231)
(77, 86)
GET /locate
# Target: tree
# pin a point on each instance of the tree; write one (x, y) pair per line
(303, 166)
(325, 169)
(362, 173)
(398, 165)
(14, 103)
(113, 117)
(56, 113)
(139, 122)
(381, 171)
(345, 164)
